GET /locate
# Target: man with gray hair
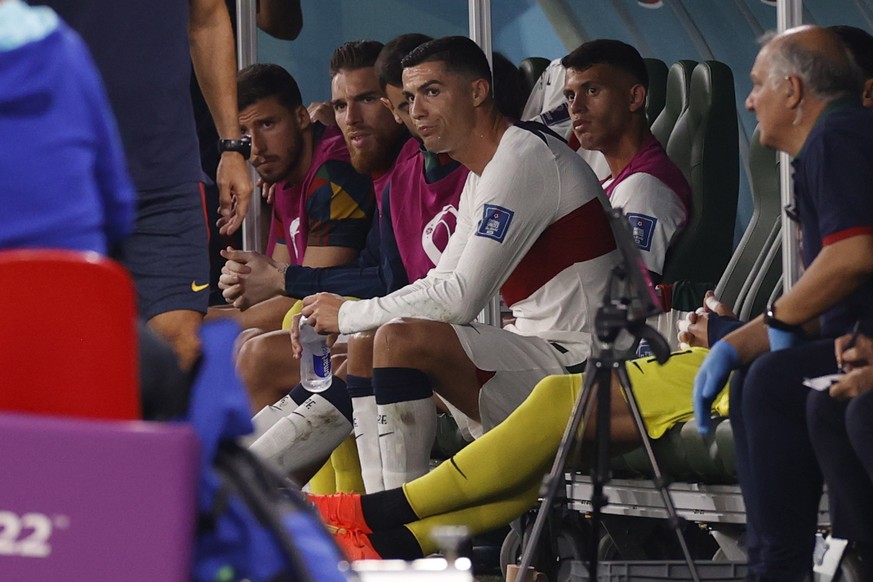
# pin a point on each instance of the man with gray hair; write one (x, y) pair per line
(806, 95)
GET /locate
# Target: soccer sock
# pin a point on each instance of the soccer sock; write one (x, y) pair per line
(364, 416)
(386, 509)
(477, 519)
(268, 416)
(407, 423)
(310, 432)
(346, 467)
(414, 540)
(323, 482)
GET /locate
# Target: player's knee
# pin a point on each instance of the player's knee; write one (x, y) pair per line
(361, 341)
(181, 333)
(401, 343)
(360, 353)
(250, 361)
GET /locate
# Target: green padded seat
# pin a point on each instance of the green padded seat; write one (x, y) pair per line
(684, 455)
(676, 99)
(657, 95)
(738, 284)
(531, 69)
(704, 145)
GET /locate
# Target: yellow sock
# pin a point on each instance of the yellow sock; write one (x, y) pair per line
(347, 467)
(324, 481)
(477, 519)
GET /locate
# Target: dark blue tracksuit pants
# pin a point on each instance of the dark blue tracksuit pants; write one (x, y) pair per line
(776, 463)
(842, 436)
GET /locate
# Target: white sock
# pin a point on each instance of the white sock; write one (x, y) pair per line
(364, 414)
(307, 434)
(267, 417)
(406, 433)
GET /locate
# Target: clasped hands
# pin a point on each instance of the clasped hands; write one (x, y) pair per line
(248, 278)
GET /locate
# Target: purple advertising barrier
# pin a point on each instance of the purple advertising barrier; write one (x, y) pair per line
(96, 500)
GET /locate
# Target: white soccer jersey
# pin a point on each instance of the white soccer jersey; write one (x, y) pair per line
(655, 213)
(532, 224)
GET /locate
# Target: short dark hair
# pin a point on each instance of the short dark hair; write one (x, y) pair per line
(458, 54)
(264, 80)
(609, 52)
(354, 55)
(860, 45)
(388, 67)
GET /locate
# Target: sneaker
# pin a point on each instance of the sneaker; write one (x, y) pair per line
(354, 544)
(341, 510)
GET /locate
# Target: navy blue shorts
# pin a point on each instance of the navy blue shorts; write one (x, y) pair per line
(168, 253)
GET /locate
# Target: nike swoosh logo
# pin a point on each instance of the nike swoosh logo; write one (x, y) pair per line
(198, 288)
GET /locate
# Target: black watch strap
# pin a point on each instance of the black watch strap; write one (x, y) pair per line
(772, 321)
(243, 146)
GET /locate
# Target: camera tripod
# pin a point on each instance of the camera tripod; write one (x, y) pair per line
(611, 320)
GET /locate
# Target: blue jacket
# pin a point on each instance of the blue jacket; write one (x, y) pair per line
(64, 178)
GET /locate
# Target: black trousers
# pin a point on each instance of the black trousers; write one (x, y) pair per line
(776, 463)
(842, 436)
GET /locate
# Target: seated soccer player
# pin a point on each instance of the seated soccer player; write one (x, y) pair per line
(606, 85)
(322, 206)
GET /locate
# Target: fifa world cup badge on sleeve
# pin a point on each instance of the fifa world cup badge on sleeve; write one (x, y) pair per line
(495, 222)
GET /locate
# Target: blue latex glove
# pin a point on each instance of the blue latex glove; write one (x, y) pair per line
(782, 340)
(710, 379)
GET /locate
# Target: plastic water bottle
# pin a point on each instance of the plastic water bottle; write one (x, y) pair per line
(315, 367)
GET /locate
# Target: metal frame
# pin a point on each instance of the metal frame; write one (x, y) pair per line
(789, 13)
(247, 54)
(480, 32)
(479, 12)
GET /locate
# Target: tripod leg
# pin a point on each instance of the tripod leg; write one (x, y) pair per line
(555, 478)
(600, 473)
(660, 482)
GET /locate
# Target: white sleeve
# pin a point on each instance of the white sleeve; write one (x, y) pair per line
(481, 253)
(655, 213)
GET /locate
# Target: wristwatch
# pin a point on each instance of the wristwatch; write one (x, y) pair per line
(772, 321)
(243, 146)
